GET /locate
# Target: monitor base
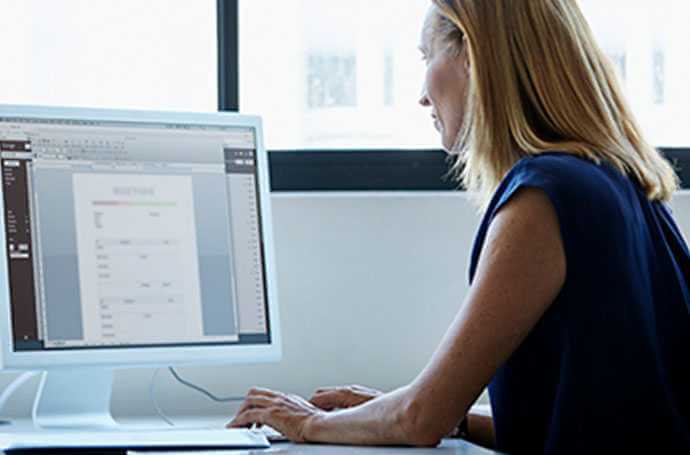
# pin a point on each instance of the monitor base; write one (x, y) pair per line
(74, 398)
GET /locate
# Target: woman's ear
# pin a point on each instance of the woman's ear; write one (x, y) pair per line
(465, 54)
(462, 60)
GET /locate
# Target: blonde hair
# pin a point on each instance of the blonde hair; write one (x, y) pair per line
(538, 83)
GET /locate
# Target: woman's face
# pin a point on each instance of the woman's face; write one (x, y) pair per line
(445, 84)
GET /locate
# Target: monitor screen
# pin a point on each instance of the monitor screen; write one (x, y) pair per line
(132, 234)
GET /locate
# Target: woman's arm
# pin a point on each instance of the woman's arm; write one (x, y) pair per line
(480, 429)
(520, 272)
(479, 426)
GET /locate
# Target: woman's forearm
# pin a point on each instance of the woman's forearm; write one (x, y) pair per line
(381, 421)
(480, 429)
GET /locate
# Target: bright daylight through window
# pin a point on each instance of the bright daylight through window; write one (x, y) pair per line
(323, 74)
(153, 54)
(347, 74)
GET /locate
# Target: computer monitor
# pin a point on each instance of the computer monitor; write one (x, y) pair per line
(131, 239)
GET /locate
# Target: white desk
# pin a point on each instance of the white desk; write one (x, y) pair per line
(454, 446)
(448, 447)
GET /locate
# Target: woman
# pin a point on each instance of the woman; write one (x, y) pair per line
(578, 315)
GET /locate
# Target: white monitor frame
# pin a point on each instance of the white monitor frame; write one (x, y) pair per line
(11, 360)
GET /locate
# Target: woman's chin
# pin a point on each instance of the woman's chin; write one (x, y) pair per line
(447, 144)
(450, 142)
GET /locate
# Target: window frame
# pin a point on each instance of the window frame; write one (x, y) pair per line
(328, 170)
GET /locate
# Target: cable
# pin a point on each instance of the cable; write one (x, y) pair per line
(175, 374)
(152, 394)
(201, 390)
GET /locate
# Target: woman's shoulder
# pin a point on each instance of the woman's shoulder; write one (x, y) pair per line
(584, 194)
(580, 190)
(563, 166)
(564, 175)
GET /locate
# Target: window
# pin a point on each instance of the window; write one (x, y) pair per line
(347, 74)
(648, 44)
(331, 81)
(327, 74)
(153, 54)
(323, 74)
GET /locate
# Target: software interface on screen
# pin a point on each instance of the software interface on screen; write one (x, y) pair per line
(124, 234)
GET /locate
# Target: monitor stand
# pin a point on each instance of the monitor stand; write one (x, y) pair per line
(74, 398)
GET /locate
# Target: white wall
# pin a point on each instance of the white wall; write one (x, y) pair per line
(368, 284)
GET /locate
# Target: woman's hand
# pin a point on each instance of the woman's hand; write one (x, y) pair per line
(329, 398)
(289, 414)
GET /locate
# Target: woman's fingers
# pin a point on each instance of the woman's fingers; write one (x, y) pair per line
(262, 392)
(326, 400)
(329, 398)
(256, 402)
(289, 414)
(249, 417)
(258, 395)
(342, 397)
(327, 389)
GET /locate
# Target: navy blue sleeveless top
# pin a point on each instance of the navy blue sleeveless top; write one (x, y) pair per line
(607, 367)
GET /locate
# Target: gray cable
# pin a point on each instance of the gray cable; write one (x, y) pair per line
(161, 414)
(152, 394)
(201, 390)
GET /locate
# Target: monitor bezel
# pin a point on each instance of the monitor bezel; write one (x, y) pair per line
(148, 356)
